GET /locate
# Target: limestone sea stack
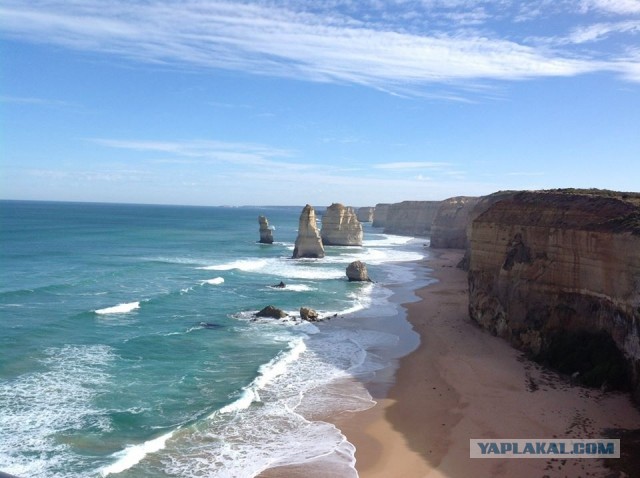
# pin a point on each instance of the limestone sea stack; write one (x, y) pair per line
(340, 227)
(557, 273)
(266, 235)
(308, 243)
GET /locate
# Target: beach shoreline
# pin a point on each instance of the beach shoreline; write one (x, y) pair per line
(462, 383)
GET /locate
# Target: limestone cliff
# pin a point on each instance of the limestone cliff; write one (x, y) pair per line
(266, 235)
(340, 227)
(308, 242)
(551, 265)
(449, 227)
(365, 214)
(411, 218)
(380, 215)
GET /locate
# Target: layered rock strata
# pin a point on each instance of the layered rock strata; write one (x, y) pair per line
(380, 215)
(266, 235)
(551, 269)
(365, 214)
(308, 243)
(410, 218)
(449, 227)
(340, 227)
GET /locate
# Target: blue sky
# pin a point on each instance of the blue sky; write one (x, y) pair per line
(298, 101)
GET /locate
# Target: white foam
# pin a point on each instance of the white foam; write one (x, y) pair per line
(119, 309)
(266, 373)
(36, 407)
(134, 454)
(387, 240)
(247, 265)
(295, 287)
(214, 281)
(283, 430)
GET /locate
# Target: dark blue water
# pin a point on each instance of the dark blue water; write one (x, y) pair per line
(128, 345)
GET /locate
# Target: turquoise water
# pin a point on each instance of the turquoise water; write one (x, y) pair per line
(129, 348)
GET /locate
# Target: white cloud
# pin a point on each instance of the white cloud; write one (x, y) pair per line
(412, 165)
(620, 7)
(599, 31)
(267, 40)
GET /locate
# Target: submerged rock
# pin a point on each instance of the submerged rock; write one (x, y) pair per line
(308, 242)
(357, 271)
(266, 235)
(272, 312)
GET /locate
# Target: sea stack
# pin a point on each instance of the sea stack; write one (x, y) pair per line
(308, 242)
(340, 227)
(266, 235)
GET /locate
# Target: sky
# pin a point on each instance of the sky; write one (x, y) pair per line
(289, 102)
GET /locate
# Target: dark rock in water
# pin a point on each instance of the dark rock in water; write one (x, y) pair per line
(308, 314)
(357, 271)
(273, 312)
(209, 325)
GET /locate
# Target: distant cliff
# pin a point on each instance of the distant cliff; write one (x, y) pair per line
(449, 227)
(380, 215)
(557, 273)
(365, 214)
(411, 218)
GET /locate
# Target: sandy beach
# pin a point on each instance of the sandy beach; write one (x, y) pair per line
(463, 383)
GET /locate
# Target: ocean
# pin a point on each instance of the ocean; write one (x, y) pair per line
(129, 346)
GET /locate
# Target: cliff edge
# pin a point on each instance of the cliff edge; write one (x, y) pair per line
(410, 218)
(557, 273)
(449, 227)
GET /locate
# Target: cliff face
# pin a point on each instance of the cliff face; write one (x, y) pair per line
(380, 215)
(266, 235)
(340, 227)
(411, 218)
(308, 242)
(365, 214)
(449, 227)
(546, 265)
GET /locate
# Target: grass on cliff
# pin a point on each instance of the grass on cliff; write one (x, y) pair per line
(628, 221)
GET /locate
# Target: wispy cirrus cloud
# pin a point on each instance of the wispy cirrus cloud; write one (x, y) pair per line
(620, 7)
(413, 165)
(599, 31)
(208, 151)
(310, 43)
(29, 100)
